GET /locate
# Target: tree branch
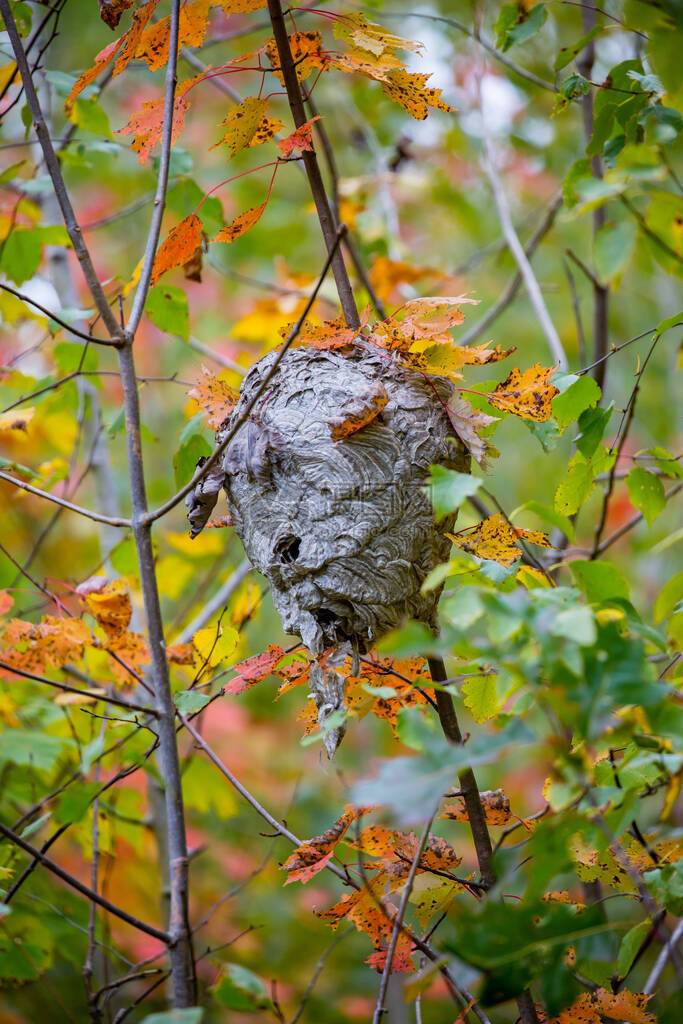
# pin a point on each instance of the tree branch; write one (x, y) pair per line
(341, 277)
(89, 695)
(62, 323)
(141, 926)
(95, 516)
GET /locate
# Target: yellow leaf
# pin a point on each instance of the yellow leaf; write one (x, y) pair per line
(173, 575)
(214, 645)
(16, 421)
(527, 394)
(531, 578)
(496, 539)
(6, 72)
(247, 125)
(203, 545)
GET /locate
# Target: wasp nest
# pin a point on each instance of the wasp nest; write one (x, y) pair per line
(343, 530)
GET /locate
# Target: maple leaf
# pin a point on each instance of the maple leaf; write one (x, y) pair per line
(247, 125)
(330, 334)
(496, 808)
(437, 854)
(127, 44)
(368, 35)
(214, 396)
(241, 224)
(408, 89)
(312, 856)
(255, 669)
(593, 1007)
(192, 25)
(480, 355)
(528, 395)
(467, 422)
(375, 840)
(180, 654)
(307, 52)
(133, 651)
(110, 606)
(364, 63)
(401, 962)
(52, 643)
(178, 247)
(16, 420)
(147, 125)
(496, 539)
(358, 410)
(293, 675)
(299, 139)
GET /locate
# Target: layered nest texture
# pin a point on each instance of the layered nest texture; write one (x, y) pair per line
(344, 530)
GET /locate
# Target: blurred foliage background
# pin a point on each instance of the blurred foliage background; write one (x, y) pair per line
(420, 208)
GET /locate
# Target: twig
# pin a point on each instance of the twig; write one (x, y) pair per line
(530, 282)
(513, 286)
(57, 319)
(633, 522)
(215, 603)
(600, 291)
(474, 34)
(468, 782)
(30, 868)
(95, 516)
(527, 1010)
(72, 226)
(141, 926)
(341, 277)
(380, 1009)
(215, 80)
(660, 962)
(200, 473)
(89, 695)
(619, 442)
(162, 179)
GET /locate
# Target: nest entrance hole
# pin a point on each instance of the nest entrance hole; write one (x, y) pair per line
(287, 548)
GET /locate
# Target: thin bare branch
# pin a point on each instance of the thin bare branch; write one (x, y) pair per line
(95, 516)
(88, 695)
(70, 880)
(58, 320)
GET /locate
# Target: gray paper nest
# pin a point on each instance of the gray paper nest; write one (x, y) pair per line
(344, 530)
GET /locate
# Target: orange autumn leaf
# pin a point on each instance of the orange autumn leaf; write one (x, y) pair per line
(329, 334)
(307, 52)
(214, 396)
(358, 410)
(496, 808)
(53, 643)
(527, 394)
(292, 675)
(147, 125)
(255, 669)
(375, 840)
(179, 247)
(438, 854)
(480, 355)
(240, 225)
(127, 44)
(110, 606)
(242, 6)
(153, 45)
(401, 962)
(409, 90)
(6, 601)
(496, 540)
(247, 125)
(593, 1007)
(181, 654)
(133, 651)
(312, 856)
(299, 139)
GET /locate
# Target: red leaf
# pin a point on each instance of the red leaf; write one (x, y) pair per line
(240, 224)
(254, 669)
(312, 856)
(147, 125)
(299, 139)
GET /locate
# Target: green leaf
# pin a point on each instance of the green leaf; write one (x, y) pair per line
(599, 581)
(33, 749)
(579, 171)
(240, 989)
(548, 515)
(70, 357)
(630, 944)
(21, 255)
(668, 597)
(88, 115)
(580, 395)
(575, 488)
(666, 885)
(663, 217)
(448, 489)
(481, 697)
(577, 624)
(592, 424)
(186, 458)
(190, 701)
(191, 1015)
(672, 321)
(124, 557)
(74, 802)
(613, 248)
(568, 53)
(516, 24)
(168, 309)
(646, 493)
